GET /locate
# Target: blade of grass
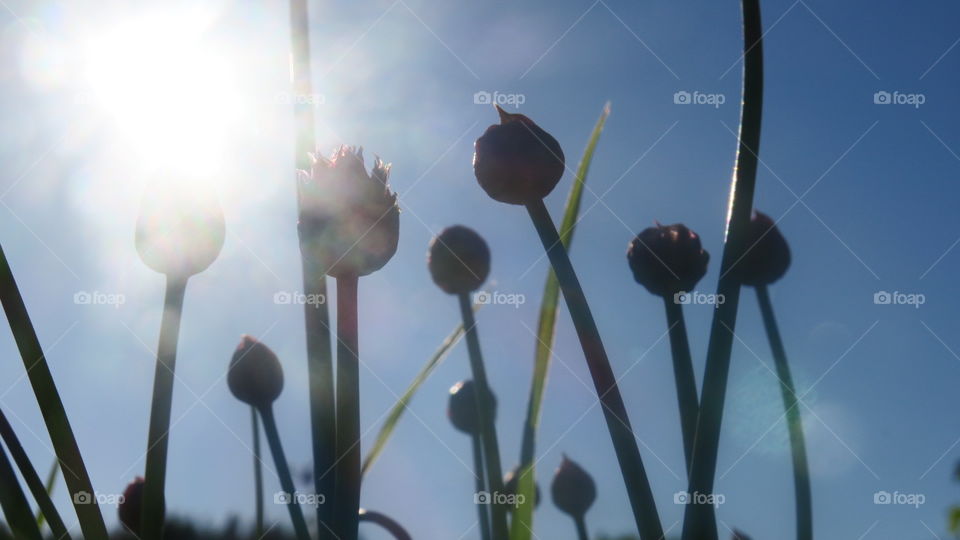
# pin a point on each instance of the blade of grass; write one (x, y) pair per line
(522, 525)
(393, 417)
(32, 479)
(14, 503)
(48, 486)
(699, 520)
(51, 406)
(801, 472)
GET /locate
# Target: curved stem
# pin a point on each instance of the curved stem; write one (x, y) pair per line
(683, 374)
(801, 473)
(699, 520)
(257, 472)
(615, 413)
(14, 503)
(483, 516)
(32, 479)
(347, 500)
(158, 435)
(283, 471)
(51, 407)
(581, 528)
(386, 522)
(488, 429)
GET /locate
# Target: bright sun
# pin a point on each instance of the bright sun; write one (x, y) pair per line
(170, 94)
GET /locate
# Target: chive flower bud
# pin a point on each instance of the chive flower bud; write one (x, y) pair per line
(255, 376)
(129, 509)
(350, 220)
(462, 407)
(767, 257)
(667, 259)
(459, 260)
(179, 235)
(516, 161)
(573, 489)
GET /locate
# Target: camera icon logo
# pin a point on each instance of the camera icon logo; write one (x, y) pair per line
(82, 298)
(282, 297)
(882, 98)
(882, 497)
(682, 97)
(282, 497)
(682, 298)
(681, 497)
(482, 297)
(482, 98)
(82, 497)
(481, 497)
(882, 297)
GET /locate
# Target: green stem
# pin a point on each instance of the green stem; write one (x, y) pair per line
(158, 435)
(488, 429)
(257, 472)
(581, 528)
(483, 516)
(51, 407)
(347, 501)
(699, 522)
(283, 471)
(48, 487)
(14, 503)
(801, 473)
(618, 423)
(386, 522)
(683, 374)
(32, 479)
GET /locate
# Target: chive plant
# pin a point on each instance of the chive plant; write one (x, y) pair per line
(464, 415)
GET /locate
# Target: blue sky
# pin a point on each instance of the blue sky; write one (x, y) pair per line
(865, 194)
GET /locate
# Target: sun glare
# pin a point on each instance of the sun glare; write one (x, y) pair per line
(169, 93)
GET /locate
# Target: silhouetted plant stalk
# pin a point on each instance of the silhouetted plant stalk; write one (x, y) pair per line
(32, 479)
(14, 503)
(699, 519)
(386, 522)
(257, 473)
(347, 497)
(517, 162)
(483, 514)
(50, 404)
(463, 413)
(574, 492)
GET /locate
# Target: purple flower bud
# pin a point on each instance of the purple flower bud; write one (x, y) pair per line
(255, 376)
(462, 407)
(667, 259)
(573, 489)
(129, 509)
(516, 161)
(459, 260)
(768, 255)
(350, 219)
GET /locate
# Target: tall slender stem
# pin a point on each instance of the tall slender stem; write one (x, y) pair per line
(14, 503)
(801, 472)
(283, 471)
(683, 374)
(618, 423)
(32, 479)
(488, 430)
(699, 520)
(384, 521)
(51, 407)
(257, 472)
(483, 515)
(158, 434)
(581, 523)
(347, 501)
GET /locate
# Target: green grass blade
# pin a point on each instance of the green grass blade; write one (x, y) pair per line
(51, 406)
(14, 503)
(546, 327)
(401, 405)
(48, 485)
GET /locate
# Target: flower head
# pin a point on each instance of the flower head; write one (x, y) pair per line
(667, 259)
(768, 255)
(350, 220)
(462, 408)
(516, 161)
(573, 488)
(179, 235)
(459, 260)
(131, 505)
(255, 376)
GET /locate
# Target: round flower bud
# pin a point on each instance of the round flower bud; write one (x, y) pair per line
(459, 260)
(667, 259)
(516, 161)
(768, 255)
(130, 507)
(462, 407)
(255, 375)
(350, 220)
(510, 486)
(573, 489)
